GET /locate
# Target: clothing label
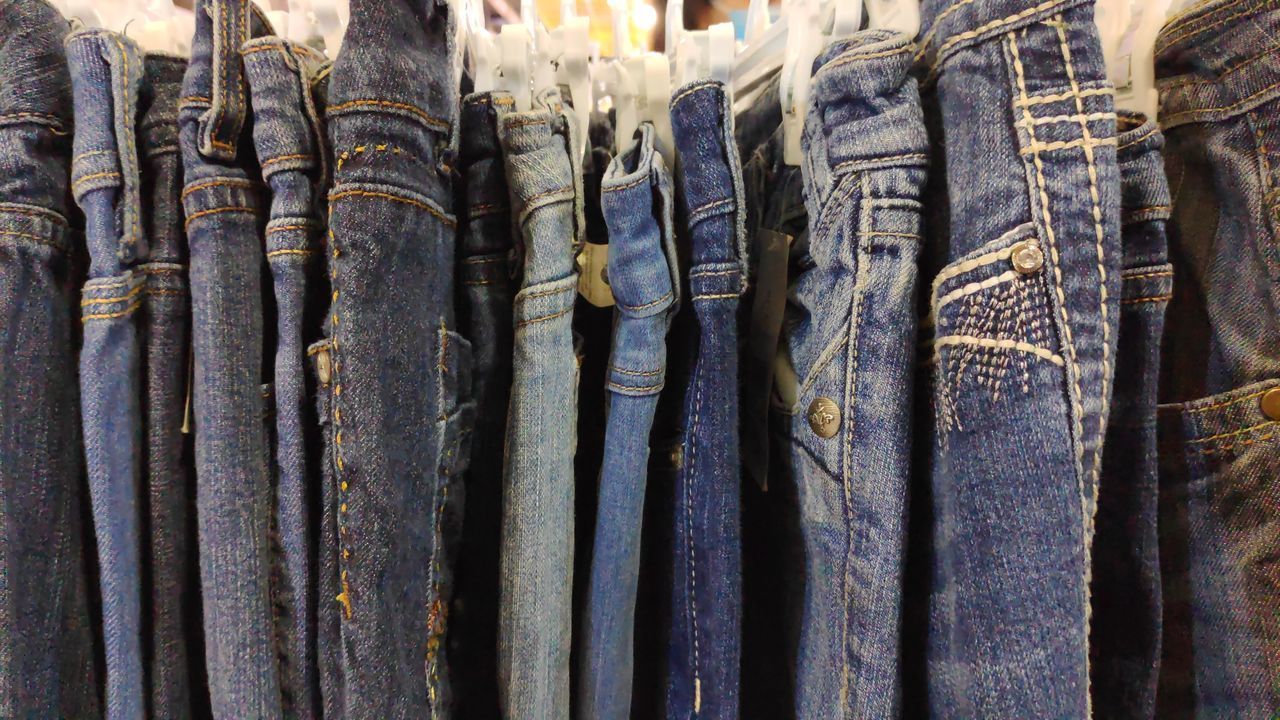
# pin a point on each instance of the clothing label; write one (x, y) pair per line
(767, 309)
(593, 275)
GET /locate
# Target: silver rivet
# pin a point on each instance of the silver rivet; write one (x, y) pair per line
(324, 368)
(1027, 257)
(824, 417)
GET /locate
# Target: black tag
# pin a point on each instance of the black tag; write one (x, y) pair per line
(772, 249)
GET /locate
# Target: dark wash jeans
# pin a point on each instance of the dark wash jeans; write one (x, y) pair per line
(1219, 79)
(704, 645)
(1124, 644)
(290, 144)
(395, 375)
(46, 647)
(224, 205)
(485, 299)
(644, 278)
(849, 338)
(535, 598)
(1023, 253)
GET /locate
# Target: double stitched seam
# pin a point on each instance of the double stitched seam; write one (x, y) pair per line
(632, 388)
(134, 231)
(637, 373)
(395, 198)
(1196, 29)
(431, 120)
(36, 238)
(1237, 433)
(1087, 144)
(937, 23)
(215, 211)
(1229, 403)
(225, 182)
(1073, 367)
(879, 160)
(1140, 276)
(41, 213)
(702, 213)
(988, 27)
(1080, 116)
(226, 73)
(1232, 446)
(969, 289)
(1099, 246)
(690, 472)
(992, 344)
(107, 301)
(105, 316)
(1262, 57)
(284, 158)
(1223, 108)
(1026, 99)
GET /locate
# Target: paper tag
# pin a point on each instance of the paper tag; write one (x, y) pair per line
(767, 309)
(593, 275)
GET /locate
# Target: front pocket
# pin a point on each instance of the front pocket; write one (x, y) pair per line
(1220, 550)
(993, 328)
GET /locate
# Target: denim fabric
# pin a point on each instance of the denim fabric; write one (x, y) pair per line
(1219, 79)
(484, 314)
(706, 593)
(1125, 633)
(224, 202)
(1024, 260)
(398, 373)
(773, 581)
(644, 278)
(535, 598)
(173, 653)
(46, 646)
(106, 77)
(850, 342)
(290, 144)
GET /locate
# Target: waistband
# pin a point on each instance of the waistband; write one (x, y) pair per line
(955, 24)
(868, 106)
(1218, 60)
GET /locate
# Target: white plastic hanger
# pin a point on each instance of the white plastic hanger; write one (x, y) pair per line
(85, 12)
(515, 48)
(644, 95)
(152, 28)
(568, 52)
(330, 18)
(804, 41)
(900, 15)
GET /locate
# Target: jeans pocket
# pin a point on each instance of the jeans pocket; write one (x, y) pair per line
(993, 329)
(1220, 530)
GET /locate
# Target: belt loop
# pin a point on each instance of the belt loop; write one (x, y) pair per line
(221, 124)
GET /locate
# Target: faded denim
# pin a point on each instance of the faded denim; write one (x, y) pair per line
(1023, 257)
(225, 212)
(290, 143)
(1124, 640)
(47, 664)
(645, 280)
(396, 372)
(535, 599)
(486, 242)
(704, 648)
(849, 338)
(1219, 80)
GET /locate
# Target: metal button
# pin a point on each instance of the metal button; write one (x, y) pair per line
(824, 417)
(1027, 257)
(324, 368)
(1271, 404)
(677, 456)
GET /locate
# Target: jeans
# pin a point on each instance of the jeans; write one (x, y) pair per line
(849, 336)
(1024, 258)
(1125, 632)
(47, 664)
(706, 590)
(484, 313)
(645, 282)
(289, 142)
(224, 208)
(535, 598)
(106, 76)
(1220, 385)
(396, 372)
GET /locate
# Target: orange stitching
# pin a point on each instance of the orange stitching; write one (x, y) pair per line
(625, 388)
(1223, 404)
(545, 293)
(1231, 446)
(426, 117)
(360, 149)
(215, 211)
(229, 182)
(282, 158)
(37, 238)
(284, 228)
(396, 198)
(636, 373)
(106, 316)
(1135, 301)
(1162, 273)
(107, 301)
(1220, 436)
(34, 212)
(290, 251)
(93, 176)
(544, 318)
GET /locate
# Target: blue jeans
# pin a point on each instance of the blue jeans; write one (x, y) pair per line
(46, 646)
(535, 598)
(396, 372)
(1125, 631)
(706, 588)
(289, 141)
(106, 77)
(849, 340)
(224, 207)
(1024, 258)
(1219, 522)
(644, 278)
